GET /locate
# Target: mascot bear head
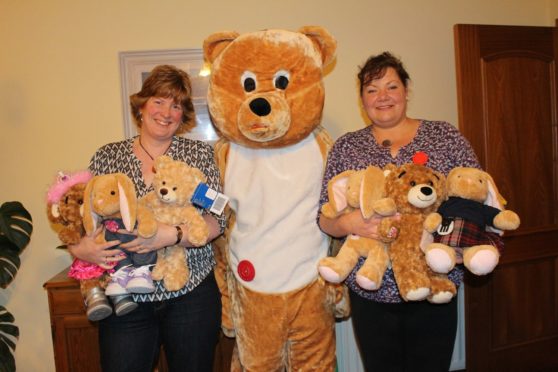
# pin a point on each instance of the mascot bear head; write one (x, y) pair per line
(266, 88)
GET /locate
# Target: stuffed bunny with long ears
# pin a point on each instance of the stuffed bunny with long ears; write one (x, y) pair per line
(110, 200)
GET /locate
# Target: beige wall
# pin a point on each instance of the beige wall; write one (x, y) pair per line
(60, 90)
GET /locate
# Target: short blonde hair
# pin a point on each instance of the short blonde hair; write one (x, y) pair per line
(166, 81)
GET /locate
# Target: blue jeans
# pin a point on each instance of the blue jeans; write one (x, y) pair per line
(187, 327)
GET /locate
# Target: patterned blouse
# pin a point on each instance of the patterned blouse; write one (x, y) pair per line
(446, 149)
(119, 157)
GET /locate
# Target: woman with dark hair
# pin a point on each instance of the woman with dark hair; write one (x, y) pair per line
(185, 322)
(394, 335)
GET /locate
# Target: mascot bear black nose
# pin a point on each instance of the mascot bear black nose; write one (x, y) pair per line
(260, 107)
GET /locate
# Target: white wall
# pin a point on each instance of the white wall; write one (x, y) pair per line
(60, 90)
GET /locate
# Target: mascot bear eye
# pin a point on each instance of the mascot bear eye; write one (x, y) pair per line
(174, 188)
(248, 80)
(413, 183)
(113, 192)
(80, 201)
(281, 79)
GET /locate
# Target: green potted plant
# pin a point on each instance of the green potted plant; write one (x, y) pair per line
(16, 226)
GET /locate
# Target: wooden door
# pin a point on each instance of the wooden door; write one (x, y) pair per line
(507, 94)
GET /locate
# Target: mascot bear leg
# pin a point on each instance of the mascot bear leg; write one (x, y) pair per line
(293, 331)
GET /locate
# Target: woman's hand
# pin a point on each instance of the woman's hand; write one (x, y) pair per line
(89, 249)
(351, 223)
(164, 237)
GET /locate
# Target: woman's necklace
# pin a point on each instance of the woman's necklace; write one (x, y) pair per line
(148, 154)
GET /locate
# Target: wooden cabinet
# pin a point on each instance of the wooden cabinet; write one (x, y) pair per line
(74, 337)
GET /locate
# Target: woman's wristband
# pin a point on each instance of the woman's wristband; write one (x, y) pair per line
(179, 234)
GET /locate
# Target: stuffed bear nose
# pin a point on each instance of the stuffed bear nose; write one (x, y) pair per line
(426, 190)
(163, 191)
(260, 107)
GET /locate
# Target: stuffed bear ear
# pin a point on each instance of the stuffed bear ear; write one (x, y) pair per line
(216, 43)
(198, 175)
(161, 161)
(323, 40)
(441, 185)
(53, 212)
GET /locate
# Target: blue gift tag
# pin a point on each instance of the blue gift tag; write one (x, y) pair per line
(210, 199)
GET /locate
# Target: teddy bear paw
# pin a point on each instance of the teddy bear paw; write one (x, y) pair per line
(198, 236)
(441, 297)
(439, 261)
(483, 262)
(418, 294)
(329, 274)
(366, 283)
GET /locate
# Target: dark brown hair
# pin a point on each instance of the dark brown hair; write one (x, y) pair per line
(166, 81)
(376, 66)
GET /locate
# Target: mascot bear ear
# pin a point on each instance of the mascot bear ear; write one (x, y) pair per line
(216, 43)
(323, 41)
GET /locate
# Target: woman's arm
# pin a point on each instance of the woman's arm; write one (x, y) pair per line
(168, 235)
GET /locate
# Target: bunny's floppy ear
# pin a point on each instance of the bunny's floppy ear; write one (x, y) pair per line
(90, 218)
(371, 190)
(494, 199)
(128, 200)
(337, 194)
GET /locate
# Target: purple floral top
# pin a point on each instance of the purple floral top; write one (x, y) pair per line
(446, 149)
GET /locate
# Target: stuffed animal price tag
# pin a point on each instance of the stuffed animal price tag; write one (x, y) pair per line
(210, 199)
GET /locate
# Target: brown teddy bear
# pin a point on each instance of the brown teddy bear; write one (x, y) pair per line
(265, 97)
(364, 190)
(417, 191)
(459, 227)
(173, 186)
(65, 213)
(110, 200)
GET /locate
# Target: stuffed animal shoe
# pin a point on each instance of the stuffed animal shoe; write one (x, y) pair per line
(173, 186)
(462, 226)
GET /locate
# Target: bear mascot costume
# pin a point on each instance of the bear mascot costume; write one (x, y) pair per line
(265, 98)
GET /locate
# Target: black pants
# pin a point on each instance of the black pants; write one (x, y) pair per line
(409, 336)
